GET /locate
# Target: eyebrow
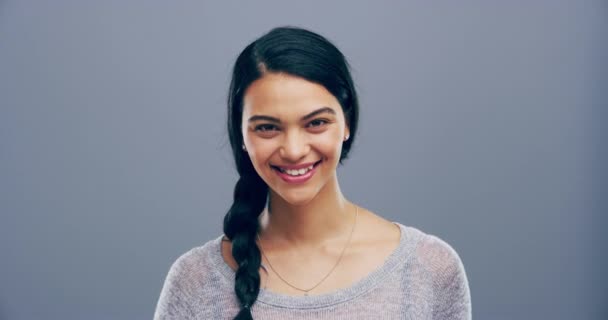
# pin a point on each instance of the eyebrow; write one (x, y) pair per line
(306, 117)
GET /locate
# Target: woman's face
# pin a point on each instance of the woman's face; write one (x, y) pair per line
(293, 131)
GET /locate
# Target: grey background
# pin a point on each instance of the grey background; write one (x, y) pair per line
(482, 123)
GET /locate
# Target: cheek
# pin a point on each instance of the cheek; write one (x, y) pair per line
(260, 150)
(330, 145)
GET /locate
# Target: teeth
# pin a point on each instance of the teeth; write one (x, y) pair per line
(297, 172)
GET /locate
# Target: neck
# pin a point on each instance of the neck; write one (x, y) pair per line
(324, 218)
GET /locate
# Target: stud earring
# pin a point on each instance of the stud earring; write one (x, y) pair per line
(244, 149)
(346, 138)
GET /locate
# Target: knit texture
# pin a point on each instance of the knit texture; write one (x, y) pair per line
(423, 278)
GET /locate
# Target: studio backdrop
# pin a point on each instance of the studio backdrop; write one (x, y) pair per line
(482, 122)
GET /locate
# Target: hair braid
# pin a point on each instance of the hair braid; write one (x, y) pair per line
(240, 226)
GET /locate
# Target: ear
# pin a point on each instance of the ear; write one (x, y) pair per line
(346, 133)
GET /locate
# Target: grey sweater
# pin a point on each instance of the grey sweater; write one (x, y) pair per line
(422, 279)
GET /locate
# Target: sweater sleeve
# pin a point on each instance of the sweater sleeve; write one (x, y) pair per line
(452, 298)
(175, 301)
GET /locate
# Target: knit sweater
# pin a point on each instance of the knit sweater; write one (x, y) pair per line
(423, 278)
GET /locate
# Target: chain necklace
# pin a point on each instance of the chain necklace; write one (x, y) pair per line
(306, 291)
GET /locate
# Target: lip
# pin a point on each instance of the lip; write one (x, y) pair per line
(299, 179)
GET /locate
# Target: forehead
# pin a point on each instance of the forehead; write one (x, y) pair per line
(285, 96)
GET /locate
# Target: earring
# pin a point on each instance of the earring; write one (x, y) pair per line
(346, 138)
(244, 149)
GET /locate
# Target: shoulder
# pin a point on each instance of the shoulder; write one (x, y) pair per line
(434, 254)
(445, 274)
(438, 256)
(195, 261)
(190, 275)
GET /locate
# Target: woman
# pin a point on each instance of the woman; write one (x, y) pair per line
(294, 246)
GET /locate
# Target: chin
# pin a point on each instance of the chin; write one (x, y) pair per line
(296, 198)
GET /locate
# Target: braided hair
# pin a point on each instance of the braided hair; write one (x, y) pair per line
(300, 53)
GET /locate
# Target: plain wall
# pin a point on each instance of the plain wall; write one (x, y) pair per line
(482, 122)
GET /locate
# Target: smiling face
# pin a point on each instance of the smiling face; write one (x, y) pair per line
(293, 131)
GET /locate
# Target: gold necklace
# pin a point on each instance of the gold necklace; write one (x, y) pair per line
(306, 291)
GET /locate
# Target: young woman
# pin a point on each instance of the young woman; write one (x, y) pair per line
(295, 247)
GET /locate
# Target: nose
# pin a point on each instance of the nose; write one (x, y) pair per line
(294, 146)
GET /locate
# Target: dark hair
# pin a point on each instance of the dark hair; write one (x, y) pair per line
(300, 53)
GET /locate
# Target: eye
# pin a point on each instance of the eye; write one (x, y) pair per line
(265, 127)
(266, 130)
(317, 123)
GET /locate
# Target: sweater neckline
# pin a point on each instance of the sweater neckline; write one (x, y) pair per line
(361, 286)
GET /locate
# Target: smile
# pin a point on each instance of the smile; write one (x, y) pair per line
(296, 174)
